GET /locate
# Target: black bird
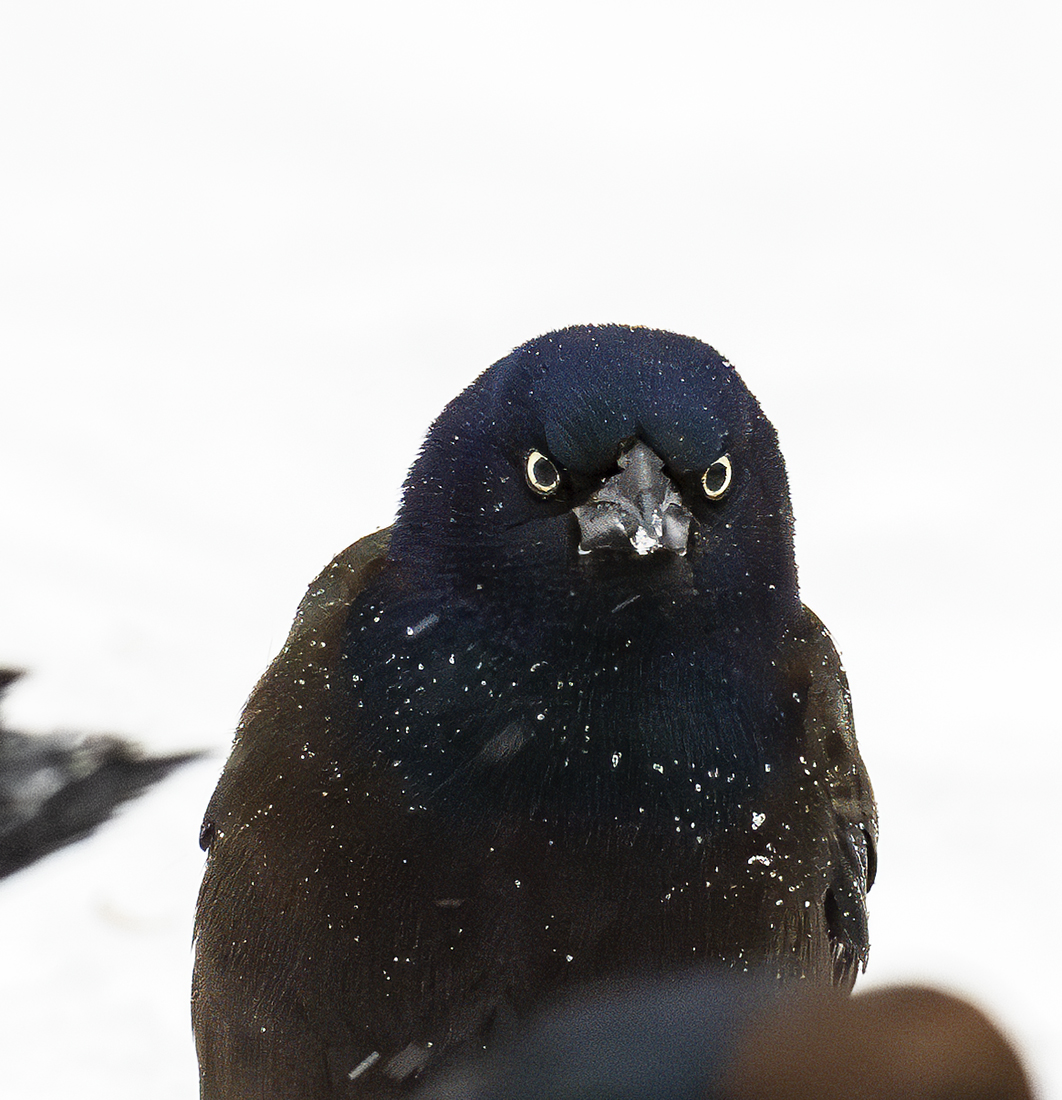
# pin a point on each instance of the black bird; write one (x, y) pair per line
(709, 1036)
(58, 788)
(567, 717)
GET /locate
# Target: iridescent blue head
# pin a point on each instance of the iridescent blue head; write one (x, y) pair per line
(629, 453)
(591, 572)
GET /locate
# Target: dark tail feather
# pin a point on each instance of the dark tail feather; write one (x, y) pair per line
(58, 788)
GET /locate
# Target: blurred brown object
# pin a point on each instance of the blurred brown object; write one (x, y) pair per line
(897, 1043)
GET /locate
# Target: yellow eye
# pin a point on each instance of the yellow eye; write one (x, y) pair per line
(716, 479)
(542, 475)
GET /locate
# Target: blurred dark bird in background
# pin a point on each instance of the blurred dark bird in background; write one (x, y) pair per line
(711, 1036)
(58, 788)
(566, 718)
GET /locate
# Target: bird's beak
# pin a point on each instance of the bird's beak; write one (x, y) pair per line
(639, 508)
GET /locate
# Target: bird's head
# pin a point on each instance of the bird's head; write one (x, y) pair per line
(602, 451)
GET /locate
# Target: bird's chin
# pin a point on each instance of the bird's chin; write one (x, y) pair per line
(625, 568)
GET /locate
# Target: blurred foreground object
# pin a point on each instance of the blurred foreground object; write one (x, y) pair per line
(57, 788)
(896, 1043)
(712, 1036)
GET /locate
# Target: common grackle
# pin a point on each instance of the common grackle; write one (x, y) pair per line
(58, 788)
(566, 718)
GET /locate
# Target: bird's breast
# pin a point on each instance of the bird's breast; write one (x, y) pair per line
(604, 721)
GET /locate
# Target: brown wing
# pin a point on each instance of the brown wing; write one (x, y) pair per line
(815, 672)
(254, 1034)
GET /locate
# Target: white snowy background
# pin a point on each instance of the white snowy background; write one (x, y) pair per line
(249, 250)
